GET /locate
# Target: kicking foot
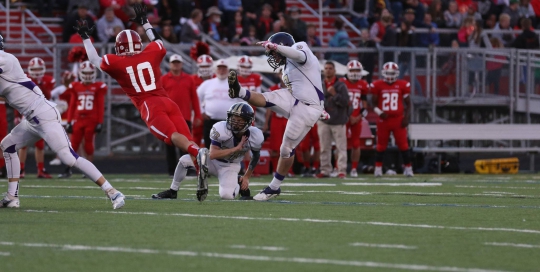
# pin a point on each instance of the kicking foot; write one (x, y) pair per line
(117, 198)
(202, 185)
(9, 201)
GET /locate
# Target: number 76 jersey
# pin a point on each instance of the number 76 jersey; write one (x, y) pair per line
(139, 74)
(391, 95)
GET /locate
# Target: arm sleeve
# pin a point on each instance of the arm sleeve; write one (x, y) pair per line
(56, 92)
(152, 33)
(255, 155)
(93, 56)
(297, 55)
(100, 103)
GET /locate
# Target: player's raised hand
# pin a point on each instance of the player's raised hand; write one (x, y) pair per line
(83, 30)
(140, 14)
(267, 45)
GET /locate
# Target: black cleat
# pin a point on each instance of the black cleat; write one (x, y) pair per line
(66, 174)
(244, 194)
(170, 193)
(234, 86)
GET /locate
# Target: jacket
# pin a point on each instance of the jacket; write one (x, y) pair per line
(337, 105)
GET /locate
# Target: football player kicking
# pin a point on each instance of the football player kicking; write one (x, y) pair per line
(41, 120)
(138, 73)
(393, 105)
(231, 140)
(301, 102)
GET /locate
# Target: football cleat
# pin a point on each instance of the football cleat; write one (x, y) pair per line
(56, 161)
(67, 173)
(378, 171)
(170, 193)
(408, 172)
(267, 194)
(117, 198)
(321, 175)
(334, 173)
(234, 86)
(202, 185)
(10, 201)
(354, 173)
(341, 175)
(245, 195)
(44, 175)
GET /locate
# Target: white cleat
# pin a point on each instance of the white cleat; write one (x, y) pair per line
(408, 172)
(334, 173)
(378, 172)
(202, 185)
(10, 201)
(56, 161)
(354, 173)
(117, 198)
(267, 194)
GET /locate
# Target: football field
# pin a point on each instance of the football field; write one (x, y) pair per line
(425, 223)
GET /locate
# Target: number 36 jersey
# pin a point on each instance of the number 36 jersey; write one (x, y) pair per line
(87, 101)
(391, 95)
(222, 137)
(138, 74)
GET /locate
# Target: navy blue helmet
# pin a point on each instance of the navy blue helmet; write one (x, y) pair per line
(275, 59)
(1, 42)
(242, 110)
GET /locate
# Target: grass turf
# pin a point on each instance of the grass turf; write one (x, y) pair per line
(435, 223)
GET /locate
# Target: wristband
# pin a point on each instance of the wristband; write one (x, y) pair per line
(378, 111)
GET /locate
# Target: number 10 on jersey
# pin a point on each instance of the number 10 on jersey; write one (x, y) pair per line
(140, 68)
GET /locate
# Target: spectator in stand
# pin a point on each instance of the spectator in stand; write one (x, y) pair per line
(368, 59)
(484, 8)
(504, 24)
(340, 40)
(437, 13)
(297, 27)
(466, 31)
(252, 8)
(377, 7)
(277, 26)
(169, 12)
(528, 39)
(490, 22)
(122, 10)
(378, 28)
(494, 68)
(185, 9)
(167, 33)
(513, 11)
(92, 6)
(229, 8)
(185, 97)
(106, 24)
(250, 38)
(237, 27)
(264, 24)
(80, 14)
(471, 12)
(312, 40)
(429, 39)
(277, 6)
(116, 30)
(397, 9)
(526, 10)
(390, 36)
(191, 30)
(212, 26)
(359, 21)
(419, 12)
(407, 38)
(142, 33)
(452, 16)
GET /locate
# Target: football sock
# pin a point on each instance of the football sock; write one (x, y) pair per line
(106, 186)
(193, 150)
(180, 174)
(13, 188)
(276, 181)
(40, 167)
(354, 165)
(87, 168)
(244, 94)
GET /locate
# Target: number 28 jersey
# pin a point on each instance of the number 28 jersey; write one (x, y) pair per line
(391, 95)
(137, 74)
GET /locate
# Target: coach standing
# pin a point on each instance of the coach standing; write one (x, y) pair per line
(336, 103)
(214, 98)
(182, 90)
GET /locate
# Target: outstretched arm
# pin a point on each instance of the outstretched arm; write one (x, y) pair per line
(140, 18)
(288, 52)
(83, 31)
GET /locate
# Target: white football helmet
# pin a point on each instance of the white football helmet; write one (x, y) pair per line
(87, 72)
(354, 70)
(36, 68)
(205, 63)
(390, 72)
(244, 66)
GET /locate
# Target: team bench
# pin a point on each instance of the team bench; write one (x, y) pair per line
(484, 132)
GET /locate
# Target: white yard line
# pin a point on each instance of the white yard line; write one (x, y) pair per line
(264, 258)
(269, 248)
(383, 246)
(295, 184)
(5, 254)
(311, 220)
(414, 184)
(495, 187)
(513, 245)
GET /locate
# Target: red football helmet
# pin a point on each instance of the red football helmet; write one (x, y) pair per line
(87, 72)
(354, 70)
(390, 72)
(205, 63)
(36, 68)
(244, 66)
(128, 42)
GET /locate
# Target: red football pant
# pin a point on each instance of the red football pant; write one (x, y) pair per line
(84, 128)
(353, 139)
(391, 124)
(163, 117)
(311, 140)
(277, 130)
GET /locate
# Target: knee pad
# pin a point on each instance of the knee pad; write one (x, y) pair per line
(7, 145)
(67, 156)
(286, 151)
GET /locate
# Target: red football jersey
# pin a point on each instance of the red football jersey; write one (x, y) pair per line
(46, 84)
(355, 92)
(391, 95)
(252, 82)
(274, 88)
(139, 74)
(87, 101)
(183, 91)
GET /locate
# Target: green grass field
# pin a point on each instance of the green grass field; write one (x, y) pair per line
(427, 223)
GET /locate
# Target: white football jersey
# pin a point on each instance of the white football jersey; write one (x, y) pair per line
(223, 137)
(304, 79)
(20, 92)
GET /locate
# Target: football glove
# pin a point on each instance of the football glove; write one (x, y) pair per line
(98, 128)
(140, 14)
(267, 45)
(69, 128)
(83, 30)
